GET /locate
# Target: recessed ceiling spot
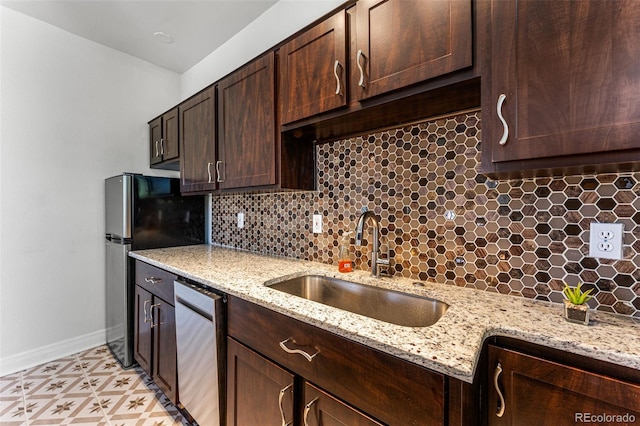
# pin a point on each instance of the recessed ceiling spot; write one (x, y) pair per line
(162, 37)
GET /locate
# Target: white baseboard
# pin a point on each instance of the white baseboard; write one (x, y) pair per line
(34, 357)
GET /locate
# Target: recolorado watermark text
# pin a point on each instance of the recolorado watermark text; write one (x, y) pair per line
(604, 418)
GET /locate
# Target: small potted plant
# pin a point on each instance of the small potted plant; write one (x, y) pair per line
(575, 307)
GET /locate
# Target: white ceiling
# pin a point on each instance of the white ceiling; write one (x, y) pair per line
(197, 27)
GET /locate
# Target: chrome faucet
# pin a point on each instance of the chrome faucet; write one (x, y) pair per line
(375, 220)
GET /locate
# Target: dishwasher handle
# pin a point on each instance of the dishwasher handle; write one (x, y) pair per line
(206, 315)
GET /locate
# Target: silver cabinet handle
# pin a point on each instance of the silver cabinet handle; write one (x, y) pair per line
(496, 375)
(335, 73)
(280, 398)
(152, 280)
(161, 146)
(157, 151)
(220, 176)
(209, 171)
(505, 126)
(307, 408)
(144, 308)
(361, 81)
(284, 347)
(151, 314)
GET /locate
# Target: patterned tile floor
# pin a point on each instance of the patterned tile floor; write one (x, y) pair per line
(89, 388)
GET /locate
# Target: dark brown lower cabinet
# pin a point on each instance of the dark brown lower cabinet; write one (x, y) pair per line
(258, 391)
(154, 338)
(354, 384)
(322, 409)
(142, 346)
(165, 370)
(526, 390)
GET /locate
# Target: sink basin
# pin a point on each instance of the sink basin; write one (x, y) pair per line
(373, 302)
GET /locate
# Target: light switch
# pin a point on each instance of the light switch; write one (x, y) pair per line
(317, 224)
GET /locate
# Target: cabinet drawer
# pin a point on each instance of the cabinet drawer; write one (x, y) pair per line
(155, 280)
(388, 388)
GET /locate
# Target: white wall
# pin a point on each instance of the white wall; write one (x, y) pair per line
(72, 112)
(276, 24)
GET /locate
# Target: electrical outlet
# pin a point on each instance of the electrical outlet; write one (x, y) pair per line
(240, 220)
(605, 240)
(317, 223)
(605, 235)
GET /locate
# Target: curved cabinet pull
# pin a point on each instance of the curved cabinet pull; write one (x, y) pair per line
(157, 151)
(280, 398)
(209, 171)
(151, 314)
(496, 376)
(152, 280)
(144, 308)
(161, 146)
(361, 81)
(335, 74)
(505, 126)
(284, 347)
(219, 174)
(307, 408)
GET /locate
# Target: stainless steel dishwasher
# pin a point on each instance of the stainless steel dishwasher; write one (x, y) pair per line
(201, 353)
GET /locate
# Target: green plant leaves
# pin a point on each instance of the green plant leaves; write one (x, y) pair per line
(576, 295)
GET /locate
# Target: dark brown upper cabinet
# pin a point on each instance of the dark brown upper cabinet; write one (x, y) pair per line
(164, 142)
(401, 43)
(198, 167)
(155, 133)
(246, 129)
(561, 91)
(229, 140)
(389, 45)
(313, 70)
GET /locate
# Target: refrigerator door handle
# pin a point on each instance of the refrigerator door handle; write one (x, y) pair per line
(116, 239)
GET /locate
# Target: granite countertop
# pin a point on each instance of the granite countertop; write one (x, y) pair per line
(451, 346)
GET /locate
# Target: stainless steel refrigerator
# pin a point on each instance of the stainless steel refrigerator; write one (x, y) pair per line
(141, 212)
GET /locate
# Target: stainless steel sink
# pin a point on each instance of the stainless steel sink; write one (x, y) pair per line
(373, 302)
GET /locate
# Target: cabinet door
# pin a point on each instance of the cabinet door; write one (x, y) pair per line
(246, 120)
(321, 409)
(169, 146)
(142, 329)
(568, 71)
(155, 133)
(258, 391)
(405, 42)
(312, 70)
(164, 348)
(541, 392)
(197, 123)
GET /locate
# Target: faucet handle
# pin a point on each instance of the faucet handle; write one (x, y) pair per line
(384, 261)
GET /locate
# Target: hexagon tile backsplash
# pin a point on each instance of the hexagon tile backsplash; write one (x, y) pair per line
(446, 222)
